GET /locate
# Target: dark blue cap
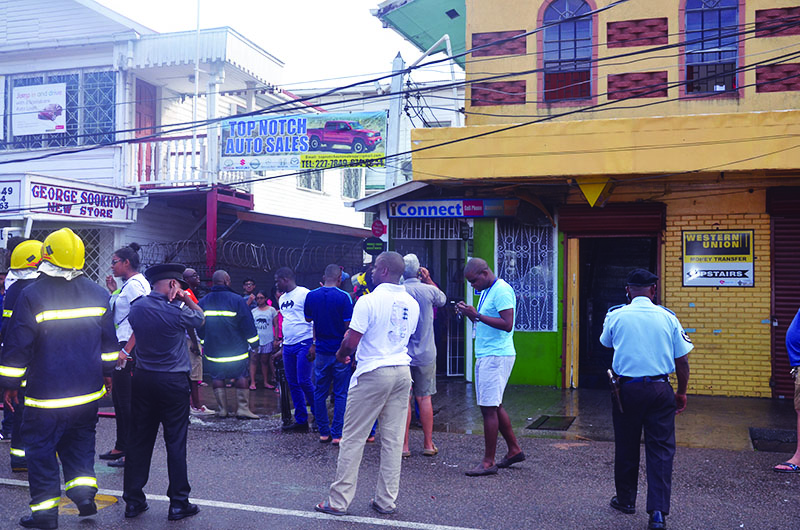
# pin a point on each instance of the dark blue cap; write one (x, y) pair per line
(641, 278)
(166, 271)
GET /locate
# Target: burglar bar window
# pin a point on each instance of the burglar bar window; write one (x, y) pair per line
(351, 182)
(89, 112)
(712, 45)
(311, 180)
(567, 51)
(526, 259)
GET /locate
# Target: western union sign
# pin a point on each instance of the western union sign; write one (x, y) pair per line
(718, 258)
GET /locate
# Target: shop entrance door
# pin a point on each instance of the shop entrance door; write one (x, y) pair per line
(604, 265)
(439, 247)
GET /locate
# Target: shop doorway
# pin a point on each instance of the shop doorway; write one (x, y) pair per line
(439, 247)
(604, 265)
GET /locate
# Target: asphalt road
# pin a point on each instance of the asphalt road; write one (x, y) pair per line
(249, 475)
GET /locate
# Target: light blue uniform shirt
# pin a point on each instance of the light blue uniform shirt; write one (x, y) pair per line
(492, 341)
(646, 338)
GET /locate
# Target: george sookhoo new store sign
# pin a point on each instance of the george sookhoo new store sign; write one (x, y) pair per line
(45, 198)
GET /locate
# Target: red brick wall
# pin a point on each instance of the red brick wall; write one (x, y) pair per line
(638, 84)
(645, 32)
(772, 77)
(498, 93)
(778, 22)
(510, 47)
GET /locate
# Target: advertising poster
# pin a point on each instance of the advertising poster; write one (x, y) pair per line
(718, 258)
(305, 141)
(39, 109)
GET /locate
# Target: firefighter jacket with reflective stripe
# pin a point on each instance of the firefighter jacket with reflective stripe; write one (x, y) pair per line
(9, 300)
(230, 330)
(61, 338)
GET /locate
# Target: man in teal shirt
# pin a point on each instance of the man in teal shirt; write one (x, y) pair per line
(495, 354)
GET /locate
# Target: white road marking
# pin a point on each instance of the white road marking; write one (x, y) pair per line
(278, 511)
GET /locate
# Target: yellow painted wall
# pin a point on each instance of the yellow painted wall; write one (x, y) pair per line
(732, 338)
(626, 146)
(506, 15)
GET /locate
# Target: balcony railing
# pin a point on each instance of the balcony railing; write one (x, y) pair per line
(168, 162)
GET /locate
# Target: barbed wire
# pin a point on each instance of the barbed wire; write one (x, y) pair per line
(262, 257)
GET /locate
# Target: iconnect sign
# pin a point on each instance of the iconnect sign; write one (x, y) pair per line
(454, 208)
(718, 258)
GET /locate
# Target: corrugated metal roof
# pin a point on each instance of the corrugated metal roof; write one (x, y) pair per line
(423, 22)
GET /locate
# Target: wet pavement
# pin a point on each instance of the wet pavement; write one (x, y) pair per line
(247, 474)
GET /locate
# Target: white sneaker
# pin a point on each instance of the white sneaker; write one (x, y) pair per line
(202, 411)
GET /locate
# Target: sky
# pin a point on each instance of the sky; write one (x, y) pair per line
(321, 42)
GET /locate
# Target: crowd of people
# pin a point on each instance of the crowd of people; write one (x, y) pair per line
(150, 341)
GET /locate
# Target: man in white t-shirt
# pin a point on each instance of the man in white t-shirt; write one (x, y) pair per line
(298, 347)
(382, 323)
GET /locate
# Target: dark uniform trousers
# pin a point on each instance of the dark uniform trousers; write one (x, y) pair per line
(121, 397)
(17, 445)
(648, 405)
(158, 398)
(66, 434)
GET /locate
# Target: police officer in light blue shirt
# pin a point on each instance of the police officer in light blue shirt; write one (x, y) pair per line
(649, 344)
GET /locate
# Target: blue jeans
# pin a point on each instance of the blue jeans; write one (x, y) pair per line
(298, 374)
(327, 369)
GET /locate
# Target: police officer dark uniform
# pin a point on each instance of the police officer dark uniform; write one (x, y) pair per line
(649, 344)
(228, 336)
(25, 259)
(160, 388)
(62, 340)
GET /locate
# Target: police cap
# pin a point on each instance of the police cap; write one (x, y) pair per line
(641, 278)
(166, 271)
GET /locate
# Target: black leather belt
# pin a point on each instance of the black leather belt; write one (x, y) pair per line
(646, 379)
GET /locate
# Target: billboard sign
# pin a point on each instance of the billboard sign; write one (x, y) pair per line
(718, 258)
(39, 109)
(305, 141)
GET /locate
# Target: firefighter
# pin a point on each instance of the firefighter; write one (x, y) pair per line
(61, 339)
(25, 259)
(229, 333)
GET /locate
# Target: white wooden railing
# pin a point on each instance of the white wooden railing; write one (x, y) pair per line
(167, 162)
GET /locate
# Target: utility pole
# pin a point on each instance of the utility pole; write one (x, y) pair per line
(393, 127)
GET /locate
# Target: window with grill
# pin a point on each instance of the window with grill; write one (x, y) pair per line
(526, 259)
(567, 51)
(90, 110)
(351, 182)
(311, 180)
(712, 45)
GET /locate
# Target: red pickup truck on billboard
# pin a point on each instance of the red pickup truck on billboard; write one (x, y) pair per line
(341, 132)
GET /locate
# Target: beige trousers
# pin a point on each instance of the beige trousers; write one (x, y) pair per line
(381, 394)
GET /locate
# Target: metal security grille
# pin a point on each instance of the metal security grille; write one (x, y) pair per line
(310, 181)
(526, 259)
(99, 245)
(90, 110)
(435, 229)
(351, 182)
